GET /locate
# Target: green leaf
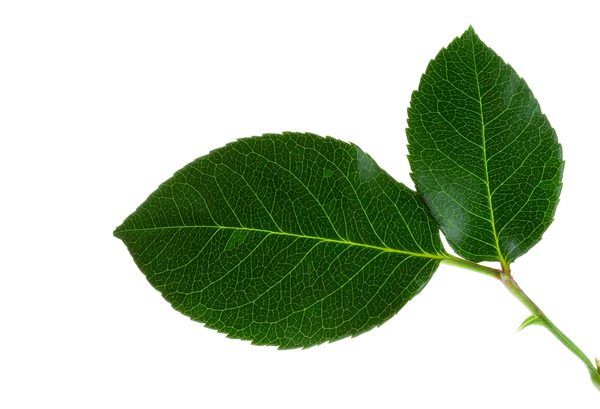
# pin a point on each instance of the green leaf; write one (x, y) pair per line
(287, 240)
(484, 157)
(531, 320)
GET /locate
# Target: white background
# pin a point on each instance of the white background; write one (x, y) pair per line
(101, 101)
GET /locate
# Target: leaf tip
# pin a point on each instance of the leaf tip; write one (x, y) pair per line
(470, 32)
(117, 232)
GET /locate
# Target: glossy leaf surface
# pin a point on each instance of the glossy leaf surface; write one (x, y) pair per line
(482, 154)
(287, 240)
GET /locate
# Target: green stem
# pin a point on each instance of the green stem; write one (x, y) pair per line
(514, 288)
(456, 261)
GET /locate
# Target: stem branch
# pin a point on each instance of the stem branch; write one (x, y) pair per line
(456, 261)
(515, 290)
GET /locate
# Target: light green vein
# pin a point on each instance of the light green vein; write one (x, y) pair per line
(485, 161)
(294, 235)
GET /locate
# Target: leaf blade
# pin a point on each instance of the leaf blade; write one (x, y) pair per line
(270, 239)
(482, 154)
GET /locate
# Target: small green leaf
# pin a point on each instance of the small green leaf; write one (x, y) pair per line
(289, 240)
(482, 154)
(531, 320)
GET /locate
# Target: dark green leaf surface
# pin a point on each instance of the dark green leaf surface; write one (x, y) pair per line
(484, 157)
(287, 240)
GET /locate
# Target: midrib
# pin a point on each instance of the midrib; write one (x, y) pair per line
(485, 164)
(301, 236)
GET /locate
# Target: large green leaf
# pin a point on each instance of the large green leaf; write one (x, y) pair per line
(287, 240)
(484, 157)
